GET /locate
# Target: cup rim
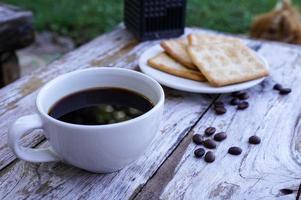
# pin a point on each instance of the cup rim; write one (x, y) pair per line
(157, 105)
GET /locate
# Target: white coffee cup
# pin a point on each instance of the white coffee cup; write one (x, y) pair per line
(97, 148)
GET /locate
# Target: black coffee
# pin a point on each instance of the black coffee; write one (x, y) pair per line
(100, 106)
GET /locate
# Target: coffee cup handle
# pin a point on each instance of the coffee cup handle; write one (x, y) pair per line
(25, 125)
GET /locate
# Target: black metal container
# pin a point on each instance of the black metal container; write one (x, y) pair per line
(155, 19)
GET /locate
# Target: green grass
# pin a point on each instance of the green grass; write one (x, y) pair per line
(83, 20)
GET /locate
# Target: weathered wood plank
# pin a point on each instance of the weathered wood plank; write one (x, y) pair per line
(261, 172)
(18, 98)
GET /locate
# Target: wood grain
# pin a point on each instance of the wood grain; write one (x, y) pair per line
(270, 170)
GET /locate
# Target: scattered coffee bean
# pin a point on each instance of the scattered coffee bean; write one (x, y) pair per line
(234, 102)
(235, 151)
(199, 152)
(243, 96)
(220, 136)
(209, 144)
(285, 91)
(240, 94)
(286, 191)
(209, 157)
(210, 131)
(254, 139)
(219, 103)
(277, 87)
(242, 105)
(299, 192)
(236, 94)
(197, 139)
(220, 110)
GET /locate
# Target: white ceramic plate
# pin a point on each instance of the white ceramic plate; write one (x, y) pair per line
(186, 84)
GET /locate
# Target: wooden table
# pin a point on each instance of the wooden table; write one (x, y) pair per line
(168, 169)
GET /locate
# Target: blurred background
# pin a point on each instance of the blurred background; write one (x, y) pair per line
(63, 25)
(83, 20)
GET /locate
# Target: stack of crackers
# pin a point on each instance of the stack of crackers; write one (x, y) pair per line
(218, 59)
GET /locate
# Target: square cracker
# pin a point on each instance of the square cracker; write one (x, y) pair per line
(166, 64)
(227, 63)
(201, 38)
(177, 49)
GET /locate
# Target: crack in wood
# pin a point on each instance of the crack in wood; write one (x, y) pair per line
(155, 185)
(136, 192)
(296, 144)
(298, 193)
(8, 165)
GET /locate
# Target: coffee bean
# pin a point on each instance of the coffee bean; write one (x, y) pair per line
(220, 110)
(277, 87)
(218, 103)
(199, 152)
(243, 96)
(220, 136)
(209, 144)
(236, 94)
(240, 95)
(210, 131)
(209, 157)
(235, 151)
(234, 102)
(254, 139)
(242, 105)
(286, 191)
(284, 91)
(197, 139)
